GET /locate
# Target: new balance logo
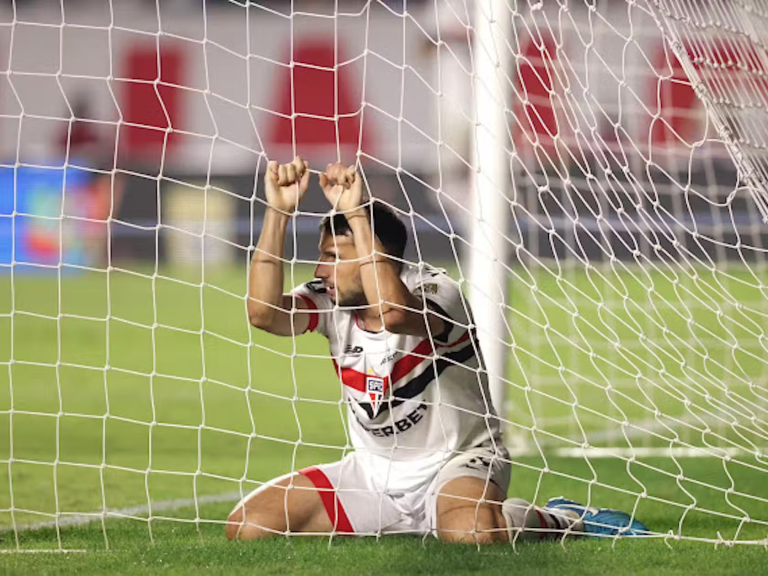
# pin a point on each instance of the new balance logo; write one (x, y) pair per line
(349, 349)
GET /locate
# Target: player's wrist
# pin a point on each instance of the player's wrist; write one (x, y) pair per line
(278, 214)
(375, 258)
(356, 215)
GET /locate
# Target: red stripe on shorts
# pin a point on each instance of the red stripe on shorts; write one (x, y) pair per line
(333, 507)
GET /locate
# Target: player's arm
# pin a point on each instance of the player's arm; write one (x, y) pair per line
(268, 308)
(401, 312)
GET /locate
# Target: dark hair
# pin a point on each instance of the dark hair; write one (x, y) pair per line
(387, 227)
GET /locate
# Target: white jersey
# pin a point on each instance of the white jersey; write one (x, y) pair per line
(413, 402)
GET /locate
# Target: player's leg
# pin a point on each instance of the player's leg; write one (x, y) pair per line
(340, 497)
(470, 490)
(469, 509)
(528, 523)
(472, 509)
(290, 503)
(472, 505)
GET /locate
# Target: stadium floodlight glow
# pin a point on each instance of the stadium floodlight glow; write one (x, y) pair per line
(591, 173)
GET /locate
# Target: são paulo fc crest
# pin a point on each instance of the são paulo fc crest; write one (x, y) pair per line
(374, 387)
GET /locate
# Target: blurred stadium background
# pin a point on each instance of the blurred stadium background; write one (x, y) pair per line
(150, 102)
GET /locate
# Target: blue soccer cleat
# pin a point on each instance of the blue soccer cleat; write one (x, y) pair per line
(596, 521)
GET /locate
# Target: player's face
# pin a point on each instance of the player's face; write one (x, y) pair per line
(340, 271)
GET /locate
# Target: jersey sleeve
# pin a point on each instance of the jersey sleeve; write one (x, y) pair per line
(318, 303)
(444, 296)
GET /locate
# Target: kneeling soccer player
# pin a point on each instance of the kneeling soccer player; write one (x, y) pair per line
(428, 454)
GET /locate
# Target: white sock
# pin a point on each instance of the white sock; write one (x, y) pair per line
(534, 523)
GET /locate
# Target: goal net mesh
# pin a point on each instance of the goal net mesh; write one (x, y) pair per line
(135, 395)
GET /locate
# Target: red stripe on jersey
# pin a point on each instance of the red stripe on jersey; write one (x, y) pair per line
(336, 513)
(464, 338)
(406, 364)
(314, 317)
(403, 367)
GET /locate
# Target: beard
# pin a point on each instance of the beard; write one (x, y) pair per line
(355, 299)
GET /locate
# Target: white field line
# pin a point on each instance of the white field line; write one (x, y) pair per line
(42, 551)
(640, 452)
(520, 445)
(131, 512)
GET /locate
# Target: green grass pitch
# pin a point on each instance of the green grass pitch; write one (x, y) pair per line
(196, 404)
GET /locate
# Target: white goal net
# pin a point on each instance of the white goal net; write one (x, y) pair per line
(591, 172)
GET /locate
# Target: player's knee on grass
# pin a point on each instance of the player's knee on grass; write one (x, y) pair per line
(469, 511)
(290, 504)
(244, 523)
(235, 523)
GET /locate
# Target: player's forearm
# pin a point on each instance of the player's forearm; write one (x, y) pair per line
(379, 274)
(265, 280)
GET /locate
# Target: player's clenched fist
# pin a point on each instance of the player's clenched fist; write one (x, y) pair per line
(342, 186)
(286, 184)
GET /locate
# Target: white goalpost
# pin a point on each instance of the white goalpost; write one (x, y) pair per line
(593, 174)
(490, 249)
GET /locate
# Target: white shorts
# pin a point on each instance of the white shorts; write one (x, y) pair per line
(355, 505)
